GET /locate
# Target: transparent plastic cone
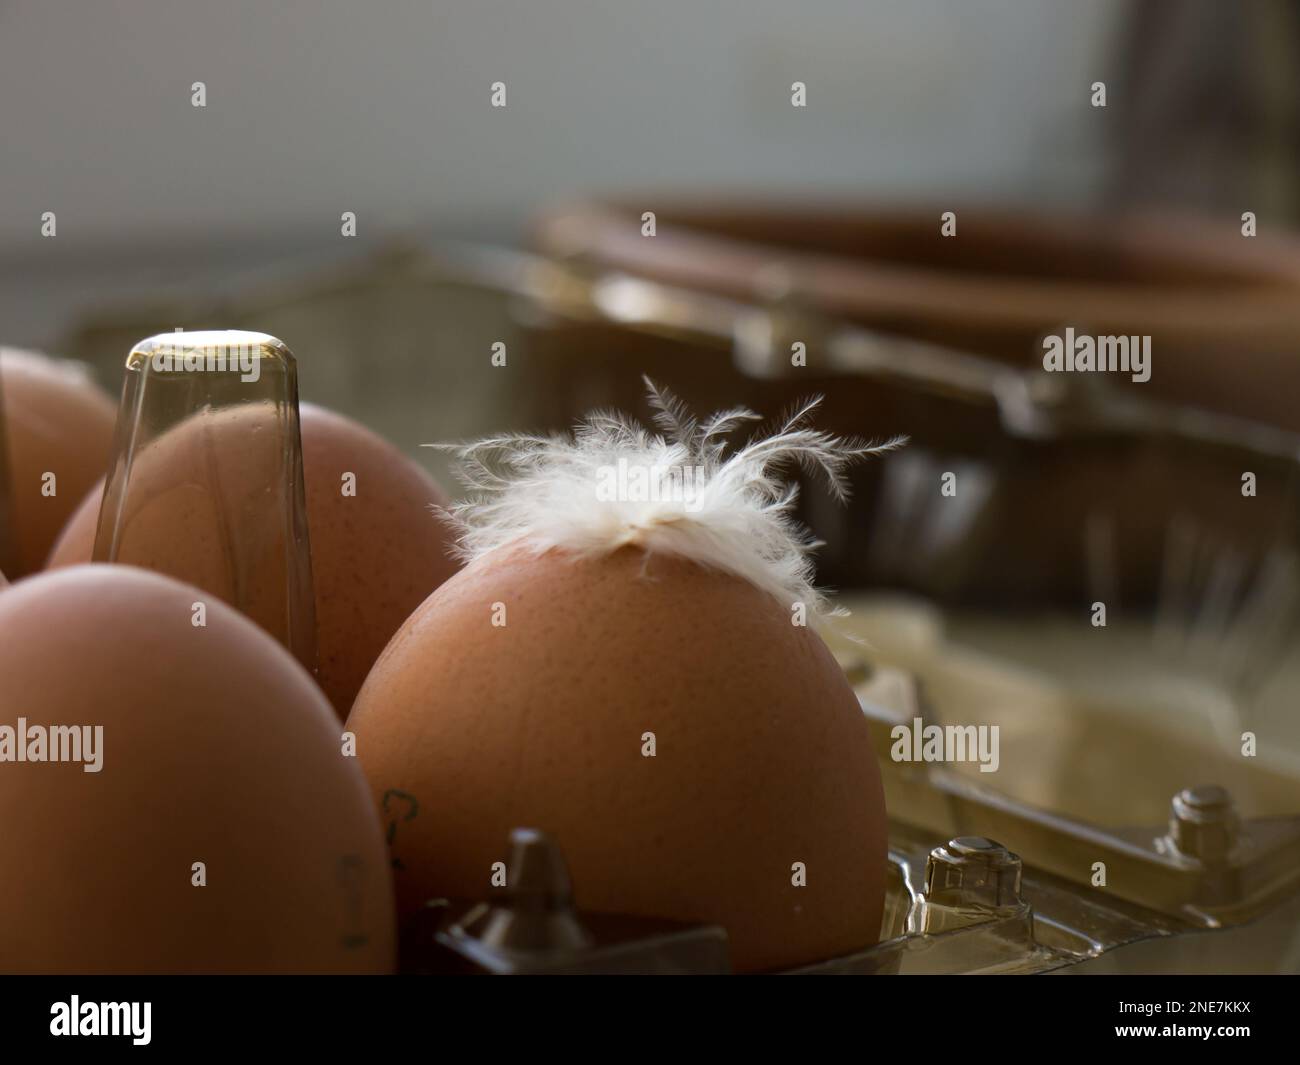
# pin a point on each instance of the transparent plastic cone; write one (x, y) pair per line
(205, 481)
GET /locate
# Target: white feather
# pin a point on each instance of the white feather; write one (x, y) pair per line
(728, 512)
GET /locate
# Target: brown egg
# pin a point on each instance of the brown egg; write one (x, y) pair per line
(56, 422)
(76, 541)
(762, 764)
(376, 554)
(377, 550)
(215, 748)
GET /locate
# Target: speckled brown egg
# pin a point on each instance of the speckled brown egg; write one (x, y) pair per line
(376, 554)
(377, 550)
(222, 828)
(57, 422)
(76, 540)
(695, 754)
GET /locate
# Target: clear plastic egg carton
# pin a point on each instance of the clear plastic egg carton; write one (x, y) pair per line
(967, 906)
(971, 906)
(1011, 887)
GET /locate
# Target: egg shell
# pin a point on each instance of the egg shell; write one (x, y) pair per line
(216, 748)
(76, 540)
(376, 554)
(56, 421)
(762, 757)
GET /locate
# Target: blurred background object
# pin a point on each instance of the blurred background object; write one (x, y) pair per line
(1211, 116)
(315, 108)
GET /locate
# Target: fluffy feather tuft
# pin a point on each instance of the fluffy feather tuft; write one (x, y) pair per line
(678, 491)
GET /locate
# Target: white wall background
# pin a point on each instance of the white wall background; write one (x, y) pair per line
(383, 108)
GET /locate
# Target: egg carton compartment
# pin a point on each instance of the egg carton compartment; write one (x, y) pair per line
(970, 906)
(1206, 866)
(1090, 729)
